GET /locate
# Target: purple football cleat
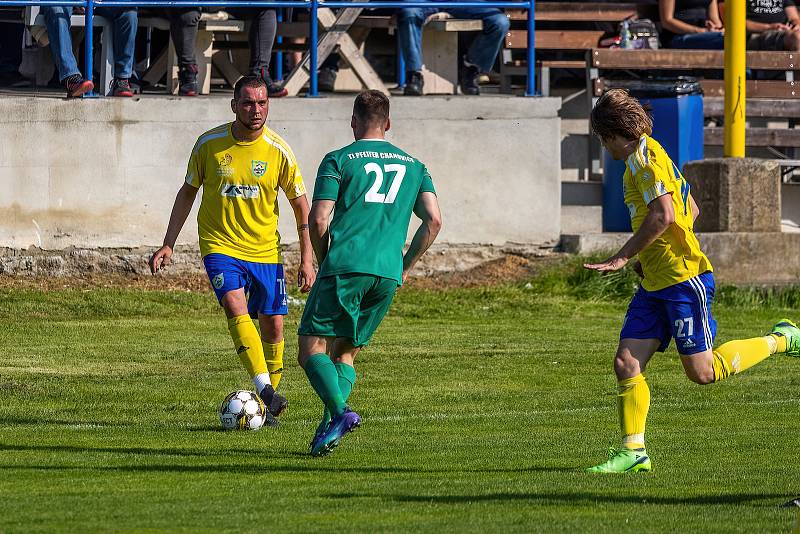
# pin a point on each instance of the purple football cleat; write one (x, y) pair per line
(346, 422)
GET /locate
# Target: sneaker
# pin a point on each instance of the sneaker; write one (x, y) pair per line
(270, 420)
(121, 87)
(786, 328)
(624, 461)
(326, 79)
(469, 79)
(318, 436)
(274, 90)
(76, 85)
(340, 425)
(414, 83)
(273, 401)
(187, 80)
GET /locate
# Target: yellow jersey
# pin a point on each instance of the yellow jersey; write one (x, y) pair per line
(238, 213)
(675, 256)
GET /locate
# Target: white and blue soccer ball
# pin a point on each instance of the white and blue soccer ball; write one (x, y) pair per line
(242, 410)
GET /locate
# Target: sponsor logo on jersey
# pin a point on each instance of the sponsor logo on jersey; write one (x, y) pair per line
(224, 169)
(240, 191)
(218, 281)
(258, 167)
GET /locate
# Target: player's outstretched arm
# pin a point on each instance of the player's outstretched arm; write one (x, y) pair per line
(180, 211)
(318, 221)
(305, 274)
(427, 209)
(660, 215)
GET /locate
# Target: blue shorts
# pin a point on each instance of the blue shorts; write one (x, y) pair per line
(264, 283)
(682, 311)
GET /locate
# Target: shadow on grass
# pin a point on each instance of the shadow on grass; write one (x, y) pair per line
(144, 451)
(37, 421)
(250, 468)
(587, 498)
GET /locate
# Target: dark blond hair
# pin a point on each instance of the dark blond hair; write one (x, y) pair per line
(371, 107)
(617, 113)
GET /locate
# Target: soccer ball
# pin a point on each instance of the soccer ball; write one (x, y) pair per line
(243, 410)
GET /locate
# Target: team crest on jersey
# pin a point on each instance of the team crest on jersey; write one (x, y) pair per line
(258, 168)
(218, 281)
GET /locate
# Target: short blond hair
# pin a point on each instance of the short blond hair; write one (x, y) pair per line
(617, 113)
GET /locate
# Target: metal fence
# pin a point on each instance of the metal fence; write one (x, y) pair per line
(311, 5)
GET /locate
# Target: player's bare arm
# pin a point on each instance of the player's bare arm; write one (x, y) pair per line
(660, 215)
(180, 211)
(318, 227)
(694, 207)
(305, 274)
(427, 209)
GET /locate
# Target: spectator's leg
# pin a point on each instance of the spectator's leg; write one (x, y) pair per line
(484, 49)
(263, 27)
(183, 30)
(409, 31)
(125, 24)
(58, 25)
(791, 41)
(699, 41)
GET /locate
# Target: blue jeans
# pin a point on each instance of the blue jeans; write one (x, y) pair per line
(125, 23)
(483, 50)
(699, 41)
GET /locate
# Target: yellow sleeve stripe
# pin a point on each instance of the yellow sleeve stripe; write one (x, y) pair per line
(275, 140)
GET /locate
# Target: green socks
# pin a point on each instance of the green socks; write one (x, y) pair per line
(347, 378)
(324, 378)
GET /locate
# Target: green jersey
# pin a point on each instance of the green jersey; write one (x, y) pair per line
(375, 186)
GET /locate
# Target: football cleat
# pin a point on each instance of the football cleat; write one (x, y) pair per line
(624, 461)
(340, 425)
(786, 328)
(275, 402)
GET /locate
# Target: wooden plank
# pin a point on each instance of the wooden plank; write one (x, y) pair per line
(456, 25)
(593, 12)
(555, 39)
(607, 58)
(755, 88)
(756, 137)
(713, 106)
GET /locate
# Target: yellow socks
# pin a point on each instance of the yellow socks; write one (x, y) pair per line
(273, 353)
(247, 342)
(633, 402)
(736, 356)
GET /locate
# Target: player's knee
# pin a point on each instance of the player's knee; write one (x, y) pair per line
(701, 376)
(625, 365)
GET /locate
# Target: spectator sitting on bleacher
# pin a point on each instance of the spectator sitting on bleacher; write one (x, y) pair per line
(480, 57)
(57, 20)
(183, 25)
(691, 24)
(772, 25)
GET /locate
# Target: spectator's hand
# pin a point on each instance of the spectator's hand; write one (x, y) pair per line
(780, 27)
(78, 10)
(712, 26)
(306, 277)
(160, 259)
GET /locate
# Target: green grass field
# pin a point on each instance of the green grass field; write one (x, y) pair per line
(480, 407)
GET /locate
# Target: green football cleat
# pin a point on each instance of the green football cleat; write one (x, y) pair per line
(786, 328)
(624, 461)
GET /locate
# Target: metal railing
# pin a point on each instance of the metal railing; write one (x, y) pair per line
(311, 5)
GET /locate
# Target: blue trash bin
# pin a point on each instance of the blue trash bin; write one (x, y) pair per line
(677, 110)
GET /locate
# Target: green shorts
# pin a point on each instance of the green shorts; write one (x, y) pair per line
(347, 305)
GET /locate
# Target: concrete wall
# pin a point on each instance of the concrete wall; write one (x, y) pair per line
(104, 172)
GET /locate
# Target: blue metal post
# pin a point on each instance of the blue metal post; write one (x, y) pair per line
(401, 63)
(89, 45)
(312, 50)
(531, 88)
(279, 54)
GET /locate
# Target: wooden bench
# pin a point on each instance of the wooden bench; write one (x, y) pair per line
(570, 43)
(763, 96)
